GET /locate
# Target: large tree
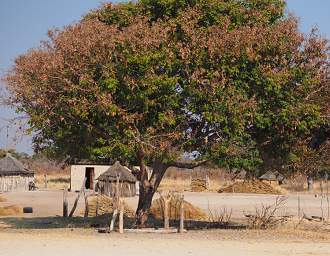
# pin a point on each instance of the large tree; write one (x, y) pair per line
(146, 82)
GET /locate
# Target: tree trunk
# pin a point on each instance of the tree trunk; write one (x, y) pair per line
(148, 189)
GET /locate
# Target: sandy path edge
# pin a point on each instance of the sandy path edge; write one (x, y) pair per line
(88, 242)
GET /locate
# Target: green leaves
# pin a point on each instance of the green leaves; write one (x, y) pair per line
(230, 80)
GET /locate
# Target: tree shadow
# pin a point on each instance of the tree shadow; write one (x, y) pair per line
(103, 222)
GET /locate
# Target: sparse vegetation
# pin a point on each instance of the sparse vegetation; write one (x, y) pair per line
(220, 216)
(250, 186)
(10, 210)
(265, 217)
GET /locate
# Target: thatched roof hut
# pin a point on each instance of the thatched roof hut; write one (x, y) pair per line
(272, 176)
(13, 174)
(107, 181)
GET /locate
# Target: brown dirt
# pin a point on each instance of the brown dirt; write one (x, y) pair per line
(255, 187)
(2, 199)
(191, 212)
(53, 242)
(10, 210)
(105, 205)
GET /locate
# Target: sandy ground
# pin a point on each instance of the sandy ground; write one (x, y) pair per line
(49, 203)
(208, 243)
(53, 241)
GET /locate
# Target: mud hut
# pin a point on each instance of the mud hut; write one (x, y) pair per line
(13, 175)
(107, 181)
(272, 177)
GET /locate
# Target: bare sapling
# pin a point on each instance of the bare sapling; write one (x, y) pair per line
(220, 216)
(264, 216)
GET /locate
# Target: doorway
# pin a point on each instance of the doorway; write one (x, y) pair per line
(89, 175)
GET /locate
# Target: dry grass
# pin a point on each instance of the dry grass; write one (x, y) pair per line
(105, 205)
(191, 212)
(10, 210)
(256, 187)
(180, 184)
(54, 181)
(2, 199)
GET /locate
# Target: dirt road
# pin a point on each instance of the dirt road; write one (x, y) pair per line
(49, 203)
(217, 243)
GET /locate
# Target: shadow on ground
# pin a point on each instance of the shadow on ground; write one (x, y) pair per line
(103, 222)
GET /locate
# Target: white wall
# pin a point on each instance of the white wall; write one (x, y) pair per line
(15, 183)
(78, 174)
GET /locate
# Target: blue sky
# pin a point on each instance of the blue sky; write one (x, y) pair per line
(23, 23)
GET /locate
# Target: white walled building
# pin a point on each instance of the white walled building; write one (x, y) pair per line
(81, 171)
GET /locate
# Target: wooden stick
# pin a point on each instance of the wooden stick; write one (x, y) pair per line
(77, 199)
(114, 216)
(181, 228)
(97, 205)
(65, 202)
(321, 187)
(45, 177)
(115, 206)
(328, 203)
(166, 217)
(86, 205)
(299, 209)
(121, 217)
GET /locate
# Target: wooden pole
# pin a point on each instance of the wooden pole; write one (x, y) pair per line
(181, 228)
(97, 205)
(328, 203)
(299, 210)
(114, 216)
(166, 217)
(115, 205)
(321, 188)
(86, 205)
(77, 199)
(45, 179)
(121, 217)
(65, 202)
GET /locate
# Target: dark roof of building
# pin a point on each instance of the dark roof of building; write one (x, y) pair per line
(117, 170)
(11, 166)
(272, 176)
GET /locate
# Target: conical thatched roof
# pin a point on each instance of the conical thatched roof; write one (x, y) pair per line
(272, 176)
(11, 166)
(117, 170)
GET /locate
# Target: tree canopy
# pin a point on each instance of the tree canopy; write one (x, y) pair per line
(232, 81)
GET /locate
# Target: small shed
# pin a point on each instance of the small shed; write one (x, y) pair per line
(272, 177)
(84, 170)
(107, 181)
(13, 175)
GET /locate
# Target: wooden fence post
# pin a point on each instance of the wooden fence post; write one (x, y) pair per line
(97, 206)
(115, 206)
(166, 211)
(181, 228)
(65, 202)
(299, 208)
(45, 180)
(86, 205)
(121, 217)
